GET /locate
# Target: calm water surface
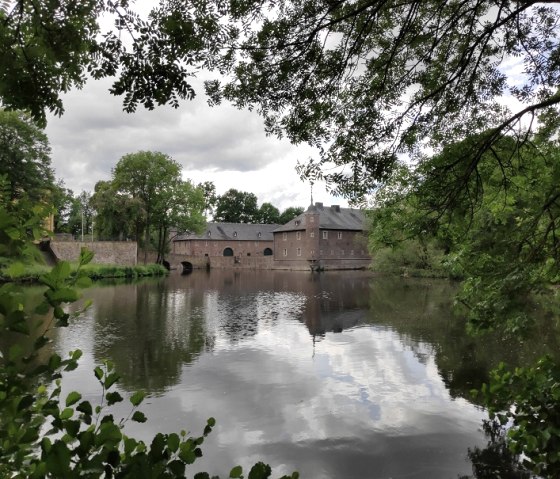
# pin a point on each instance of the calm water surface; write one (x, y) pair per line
(336, 375)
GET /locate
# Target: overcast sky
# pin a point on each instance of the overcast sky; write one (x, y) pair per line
(220, 144)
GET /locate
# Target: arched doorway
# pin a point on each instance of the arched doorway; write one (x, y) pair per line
(267, 252)
(187, 267)
(228, 252)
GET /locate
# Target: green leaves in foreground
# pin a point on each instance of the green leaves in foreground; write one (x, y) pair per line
(528, 398)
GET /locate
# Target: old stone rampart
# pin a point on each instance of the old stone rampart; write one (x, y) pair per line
(123, 253)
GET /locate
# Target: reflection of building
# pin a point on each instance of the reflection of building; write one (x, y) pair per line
(323, 238)
(227, 239)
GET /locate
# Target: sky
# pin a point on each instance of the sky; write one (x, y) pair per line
(220, 144)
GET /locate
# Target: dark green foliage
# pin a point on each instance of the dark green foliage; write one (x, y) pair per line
(528, 397)
(289, 214)
(236, 206)
(496, 224)
(25, 157)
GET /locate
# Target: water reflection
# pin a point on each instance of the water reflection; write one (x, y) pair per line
(337, 374)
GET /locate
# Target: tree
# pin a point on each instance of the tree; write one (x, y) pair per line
(500, 235)
(80, 217)
(236, 207)
(154, 180)
(181, 206)
(289, 214)
(366, 81)
(210, 197)
(268, 214)
(25, 156)
(115, 213)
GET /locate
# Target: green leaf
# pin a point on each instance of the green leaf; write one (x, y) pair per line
(111, 379)
(137, 398)
(108, 433)
(86, 256)
(67, 413)
(58, 460)
(173, 442)
(85, 408)
(236, 472)
(260, 471)
(73, 398)
(113, 398)
(84, 282)
(98, 372)
(139, 417)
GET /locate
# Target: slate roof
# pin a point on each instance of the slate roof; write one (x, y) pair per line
(232, 232)
(330, 217)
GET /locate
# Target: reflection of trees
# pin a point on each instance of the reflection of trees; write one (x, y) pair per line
(495, 461)
(421, 310)
(149, 331)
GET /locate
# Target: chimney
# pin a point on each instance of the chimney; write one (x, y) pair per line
(336, 208)
(319, 205)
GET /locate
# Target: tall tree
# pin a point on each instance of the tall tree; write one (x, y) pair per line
(25, 156)
(210, 197)
(268, 214)
(290, 213)
(236, 206)
(366, 81)
(154, 179)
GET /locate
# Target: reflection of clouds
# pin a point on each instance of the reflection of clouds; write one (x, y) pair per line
(269, 390)
(359, 400)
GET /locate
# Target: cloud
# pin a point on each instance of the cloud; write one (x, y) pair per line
(220, 144)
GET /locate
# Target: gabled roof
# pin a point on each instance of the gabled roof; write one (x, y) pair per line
(330, 217)
(232, 232)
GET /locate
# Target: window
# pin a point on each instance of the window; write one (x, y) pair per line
(299, 251)
(284, 236)
(209, 234)
(228, 252)
(235, 234)
(312, 234)
(268, 252)
(285, 252)
(312, 252)
(312, 219)
(325, 235)
(297, 222)
(298, 235)
(340, 235)
(206, 243)
(259, 235)
(351, 252)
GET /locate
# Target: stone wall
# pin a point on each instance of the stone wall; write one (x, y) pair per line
(106, 252)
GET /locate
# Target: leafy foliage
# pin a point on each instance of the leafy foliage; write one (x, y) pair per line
(500, 233)
(25, 157)
(528, 398)
(152, 181)
(236, 206)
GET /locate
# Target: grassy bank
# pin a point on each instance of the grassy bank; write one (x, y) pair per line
(19, 272)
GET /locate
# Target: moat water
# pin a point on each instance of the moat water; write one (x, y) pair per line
(336, 375)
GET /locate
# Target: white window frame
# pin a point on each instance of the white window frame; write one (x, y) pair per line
(340, 235)
(284, 236)
(325, 235)
(312, 234)
(298, 235)
(299, 251)
(285, 252)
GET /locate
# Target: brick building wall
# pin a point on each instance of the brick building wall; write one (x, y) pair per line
(215, 248)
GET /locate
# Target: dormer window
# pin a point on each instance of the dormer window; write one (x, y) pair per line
(235, 234)
(209, 234)
(259, 235)
(297, 222)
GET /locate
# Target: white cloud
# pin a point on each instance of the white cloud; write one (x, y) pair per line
(222, 144)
